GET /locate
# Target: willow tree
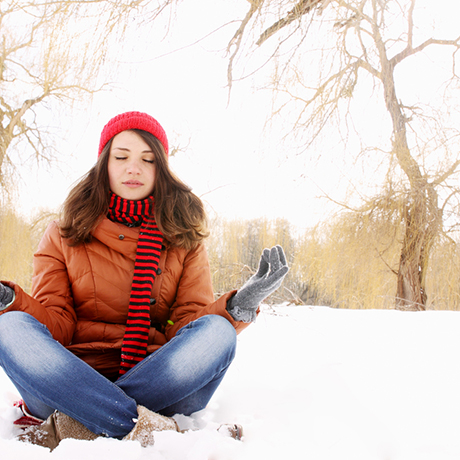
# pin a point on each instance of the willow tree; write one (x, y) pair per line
(366, 41)
(53, 51)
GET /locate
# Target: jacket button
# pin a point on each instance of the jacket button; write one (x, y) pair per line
(159, 271)
(153, 301)
(121, 237)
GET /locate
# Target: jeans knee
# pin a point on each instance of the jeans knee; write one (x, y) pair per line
(221, 331)
(14, 326)
(15, 318)
(9, 323)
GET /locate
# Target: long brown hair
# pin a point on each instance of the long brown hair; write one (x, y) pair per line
(179, 213)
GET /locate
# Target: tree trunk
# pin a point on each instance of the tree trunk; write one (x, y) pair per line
(422, 215)
(423, 220)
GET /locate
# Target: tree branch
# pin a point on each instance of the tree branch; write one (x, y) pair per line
(410, 24)
(301, 8)
(409, 51)
(25, 106)
(366, 66)
(236, 39)
(439, 180)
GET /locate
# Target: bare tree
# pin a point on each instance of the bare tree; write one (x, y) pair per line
(373, 38)
(54, 51)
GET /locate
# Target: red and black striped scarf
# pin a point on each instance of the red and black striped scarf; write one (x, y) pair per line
(133, 213)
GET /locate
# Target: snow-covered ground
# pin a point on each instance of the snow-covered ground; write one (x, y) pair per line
(310, 383)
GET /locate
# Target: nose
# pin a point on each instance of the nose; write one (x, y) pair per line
(133, 167)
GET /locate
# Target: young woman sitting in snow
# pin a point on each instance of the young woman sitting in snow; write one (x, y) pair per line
(122, 325)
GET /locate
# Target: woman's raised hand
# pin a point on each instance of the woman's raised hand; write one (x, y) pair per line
(272, 270)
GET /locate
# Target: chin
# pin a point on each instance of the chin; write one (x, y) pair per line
(133, 195)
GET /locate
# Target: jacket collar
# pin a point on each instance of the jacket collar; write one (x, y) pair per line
(119, 237)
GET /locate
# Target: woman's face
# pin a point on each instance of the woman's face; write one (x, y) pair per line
(131, 166)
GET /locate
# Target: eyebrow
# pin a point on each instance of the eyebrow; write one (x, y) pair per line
(125, 149)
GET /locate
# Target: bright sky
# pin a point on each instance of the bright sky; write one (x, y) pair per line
(237, 167)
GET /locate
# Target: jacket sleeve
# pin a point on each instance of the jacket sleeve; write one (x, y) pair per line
(51, 301)
(195, 297)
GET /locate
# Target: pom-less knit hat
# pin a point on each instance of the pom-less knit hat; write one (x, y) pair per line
(132, 120)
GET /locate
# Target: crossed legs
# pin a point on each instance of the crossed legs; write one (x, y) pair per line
(180, 377)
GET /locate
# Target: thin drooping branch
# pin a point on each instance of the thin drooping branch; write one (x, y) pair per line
(301, 8)
(237, 38)
(55, 56)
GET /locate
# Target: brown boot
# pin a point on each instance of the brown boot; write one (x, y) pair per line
(234, 431)
(54, 429)
(147, 423)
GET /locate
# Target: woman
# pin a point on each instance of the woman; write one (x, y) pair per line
(121, 330)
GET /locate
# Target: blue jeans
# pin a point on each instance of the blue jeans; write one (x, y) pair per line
(180, 377)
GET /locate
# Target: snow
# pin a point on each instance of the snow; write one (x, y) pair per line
(310, 383)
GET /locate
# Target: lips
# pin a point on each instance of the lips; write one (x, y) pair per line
(133, 183)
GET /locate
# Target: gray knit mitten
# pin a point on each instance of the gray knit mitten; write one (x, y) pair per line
(6, 296)
(272, 270)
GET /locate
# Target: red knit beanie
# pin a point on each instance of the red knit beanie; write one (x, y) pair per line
(133, 120)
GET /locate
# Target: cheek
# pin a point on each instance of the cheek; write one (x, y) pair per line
(113, 173)
(152, 175)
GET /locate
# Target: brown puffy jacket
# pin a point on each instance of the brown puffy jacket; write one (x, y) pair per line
(82, 293)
